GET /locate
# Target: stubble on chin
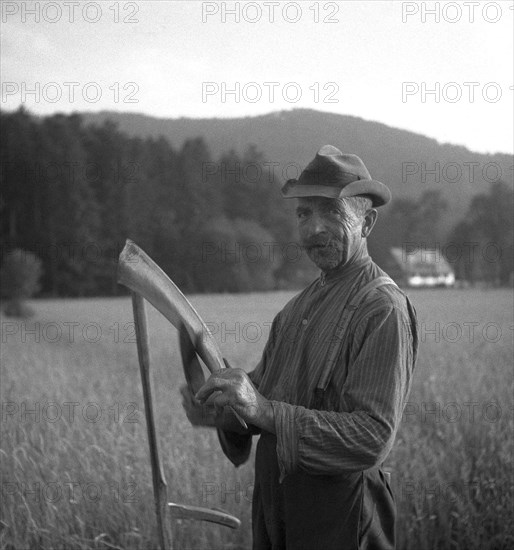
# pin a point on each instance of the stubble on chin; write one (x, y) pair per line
(325, 260)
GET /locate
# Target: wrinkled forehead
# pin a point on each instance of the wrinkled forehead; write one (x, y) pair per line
(320, 202)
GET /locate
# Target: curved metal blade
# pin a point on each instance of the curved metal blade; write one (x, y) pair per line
(192, 367)
(182, 511)
(137, 271)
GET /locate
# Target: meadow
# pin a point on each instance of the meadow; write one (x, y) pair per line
(74, 460)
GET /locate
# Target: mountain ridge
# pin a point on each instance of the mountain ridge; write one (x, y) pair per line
(408, 162)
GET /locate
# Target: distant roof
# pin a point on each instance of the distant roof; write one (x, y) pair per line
(422, 261)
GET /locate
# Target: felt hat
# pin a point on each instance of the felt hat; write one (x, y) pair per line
(333, 174)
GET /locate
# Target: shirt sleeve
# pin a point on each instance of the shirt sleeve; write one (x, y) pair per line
(237, 446)
(373, 394)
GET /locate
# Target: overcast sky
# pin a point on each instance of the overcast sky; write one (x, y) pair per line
(374, 60)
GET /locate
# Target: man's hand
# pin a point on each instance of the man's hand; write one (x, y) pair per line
(208, 415)
(198, 414)
(233, 388)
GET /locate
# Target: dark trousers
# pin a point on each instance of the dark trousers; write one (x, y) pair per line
(352, 511)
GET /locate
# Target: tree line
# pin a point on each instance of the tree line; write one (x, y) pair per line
(479, 247)
(71, 194)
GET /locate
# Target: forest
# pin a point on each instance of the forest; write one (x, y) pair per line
(71, 193)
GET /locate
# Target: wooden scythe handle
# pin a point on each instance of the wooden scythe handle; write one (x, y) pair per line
(158, 479)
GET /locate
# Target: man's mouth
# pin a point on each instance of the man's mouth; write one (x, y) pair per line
(316, 243)
(319, 246)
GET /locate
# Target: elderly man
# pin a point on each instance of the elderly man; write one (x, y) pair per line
(328, 394)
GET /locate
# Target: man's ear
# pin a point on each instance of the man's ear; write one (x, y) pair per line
(370, 219)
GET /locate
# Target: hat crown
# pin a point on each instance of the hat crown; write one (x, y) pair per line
(330, 166)
(329, 150)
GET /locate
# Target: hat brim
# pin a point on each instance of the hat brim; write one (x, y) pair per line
(378, 192)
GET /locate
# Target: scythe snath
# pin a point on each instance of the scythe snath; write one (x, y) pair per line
(147, 281)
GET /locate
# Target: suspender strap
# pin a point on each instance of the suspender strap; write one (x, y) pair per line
(341, 329)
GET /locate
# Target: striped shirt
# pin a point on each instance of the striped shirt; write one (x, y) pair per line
(354, 426)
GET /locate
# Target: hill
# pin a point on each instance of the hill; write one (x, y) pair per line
(407, 162)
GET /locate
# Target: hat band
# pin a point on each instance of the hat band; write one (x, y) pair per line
(330, 176)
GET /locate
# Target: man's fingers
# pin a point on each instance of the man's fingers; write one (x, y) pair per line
(209, 401)
(221, 401)
(213, 384)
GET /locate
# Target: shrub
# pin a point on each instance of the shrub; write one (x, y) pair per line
(19, 279)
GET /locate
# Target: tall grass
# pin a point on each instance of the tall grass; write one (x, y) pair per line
(83, 480)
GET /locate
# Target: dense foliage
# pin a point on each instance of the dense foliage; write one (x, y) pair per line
(72, 194)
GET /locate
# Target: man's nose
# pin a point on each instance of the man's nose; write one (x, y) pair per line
(315, 225)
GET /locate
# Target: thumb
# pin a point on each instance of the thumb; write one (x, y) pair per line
(227, 364)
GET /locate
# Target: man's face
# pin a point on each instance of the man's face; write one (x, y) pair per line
(329, 230)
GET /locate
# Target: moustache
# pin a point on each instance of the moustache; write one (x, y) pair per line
(316, 242)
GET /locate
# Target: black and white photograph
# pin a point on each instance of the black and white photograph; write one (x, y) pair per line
(256, 275)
